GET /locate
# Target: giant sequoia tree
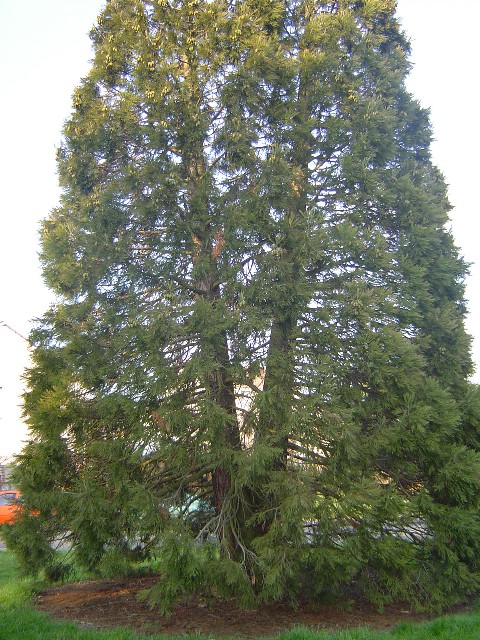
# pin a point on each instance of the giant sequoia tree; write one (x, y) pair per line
(258, 337)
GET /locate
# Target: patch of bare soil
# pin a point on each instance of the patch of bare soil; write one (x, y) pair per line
(115, 603)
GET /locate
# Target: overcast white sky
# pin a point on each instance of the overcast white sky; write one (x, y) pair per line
(45, 50)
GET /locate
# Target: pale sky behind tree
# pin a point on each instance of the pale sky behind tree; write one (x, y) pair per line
(45, 51)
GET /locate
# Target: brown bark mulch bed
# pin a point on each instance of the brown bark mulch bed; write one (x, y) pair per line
(107, 604)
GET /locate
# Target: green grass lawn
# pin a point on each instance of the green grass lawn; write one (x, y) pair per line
(20, 621)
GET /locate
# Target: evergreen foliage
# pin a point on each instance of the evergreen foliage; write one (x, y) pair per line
(258, 338)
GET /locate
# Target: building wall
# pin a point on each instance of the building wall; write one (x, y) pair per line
(4, 477)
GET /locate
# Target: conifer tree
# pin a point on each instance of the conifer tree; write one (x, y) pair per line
(258, 338)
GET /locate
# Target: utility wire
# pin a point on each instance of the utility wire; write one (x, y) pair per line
(4, 324)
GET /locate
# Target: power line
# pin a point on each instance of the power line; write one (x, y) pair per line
(4, 324)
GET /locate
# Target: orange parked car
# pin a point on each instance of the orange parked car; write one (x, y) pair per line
(9, 505)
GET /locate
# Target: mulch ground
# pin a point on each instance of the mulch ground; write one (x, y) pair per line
(107, 604)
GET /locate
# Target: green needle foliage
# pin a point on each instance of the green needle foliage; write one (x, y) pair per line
(258, 338)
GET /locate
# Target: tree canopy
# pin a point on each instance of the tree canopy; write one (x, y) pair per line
(258, 341)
